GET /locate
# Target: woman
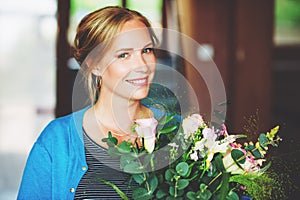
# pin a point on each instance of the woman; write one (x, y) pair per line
(114, 47)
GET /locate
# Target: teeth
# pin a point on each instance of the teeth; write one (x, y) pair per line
(139, 81)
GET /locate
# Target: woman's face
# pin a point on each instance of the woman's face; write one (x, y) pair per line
(128, 67)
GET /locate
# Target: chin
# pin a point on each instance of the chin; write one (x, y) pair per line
(141, 94)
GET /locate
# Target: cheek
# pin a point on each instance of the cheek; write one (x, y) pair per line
(152, 64)
(115, 72)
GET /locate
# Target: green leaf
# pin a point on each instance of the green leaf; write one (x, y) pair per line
(191, 195)
(125, 159)
(168, 129)
(238, 156)
(202, 186)
(182, 183)
(263, 141)
(112, 141)
(224, 185)
(160, 194)
(122, 194)
(232, 196)
(255, 152)
(133, 168)
(171, 190)
(182, 168)
(273, 132)
(219, 163)
(125, 147)
(141, 194)
(139, 178)
(173, 198)
(167, 119)
(169, 175)
(147, 159)
(113, 152)
(204, 193)
(153, 183)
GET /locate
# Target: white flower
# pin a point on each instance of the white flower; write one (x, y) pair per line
(212, 145)
(194, 156)
(173, 144)
(146, 128)
(191, 124)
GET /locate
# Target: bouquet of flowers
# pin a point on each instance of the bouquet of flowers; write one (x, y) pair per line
(188, 159)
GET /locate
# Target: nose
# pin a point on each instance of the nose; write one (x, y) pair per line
(140, 63)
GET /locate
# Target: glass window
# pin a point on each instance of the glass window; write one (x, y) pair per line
(80, 8)
(287, 22)
(150, 9)
(27, 74)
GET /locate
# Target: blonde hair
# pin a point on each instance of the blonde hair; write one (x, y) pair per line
(97, 28)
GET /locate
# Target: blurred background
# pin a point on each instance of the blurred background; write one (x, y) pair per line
(254, 43)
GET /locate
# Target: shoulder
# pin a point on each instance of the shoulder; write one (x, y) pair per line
(62, 128)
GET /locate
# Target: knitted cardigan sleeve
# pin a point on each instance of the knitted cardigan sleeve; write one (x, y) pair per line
(36, 180)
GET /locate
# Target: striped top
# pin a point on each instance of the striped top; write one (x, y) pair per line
(101, 165)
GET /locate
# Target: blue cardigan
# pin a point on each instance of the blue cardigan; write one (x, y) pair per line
(57, 162)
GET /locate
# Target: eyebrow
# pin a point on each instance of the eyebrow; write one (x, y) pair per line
(131, 49)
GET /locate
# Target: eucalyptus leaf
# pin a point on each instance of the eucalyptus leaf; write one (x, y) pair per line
(125, 147)
(232, 196)
(182, 183)
(191, 195)
(160, 194)
(141, 194)
(147, 159)
(263, 141)
(169, 175)
(113, 152)
(238, 156)
(204, 193)
(133, 168)
(153, 182)
(182, 168)
(126, 159)
(172, 190)
(255, 152)
(139, 178)
(112, 142)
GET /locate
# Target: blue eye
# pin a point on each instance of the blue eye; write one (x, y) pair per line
(148, 50)
(123, 55)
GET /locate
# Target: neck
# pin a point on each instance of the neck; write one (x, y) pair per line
(117, 113)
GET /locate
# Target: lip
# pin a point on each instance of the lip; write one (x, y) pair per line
(138, 81)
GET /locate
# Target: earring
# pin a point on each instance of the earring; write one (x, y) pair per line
(98, 82)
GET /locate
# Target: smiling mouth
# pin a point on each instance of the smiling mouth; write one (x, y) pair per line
(138, 81)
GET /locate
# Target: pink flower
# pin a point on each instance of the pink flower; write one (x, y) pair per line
(146, 128)
(224, 130)
(191, 124)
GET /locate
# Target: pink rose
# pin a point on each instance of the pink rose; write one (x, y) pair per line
(146, 128)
